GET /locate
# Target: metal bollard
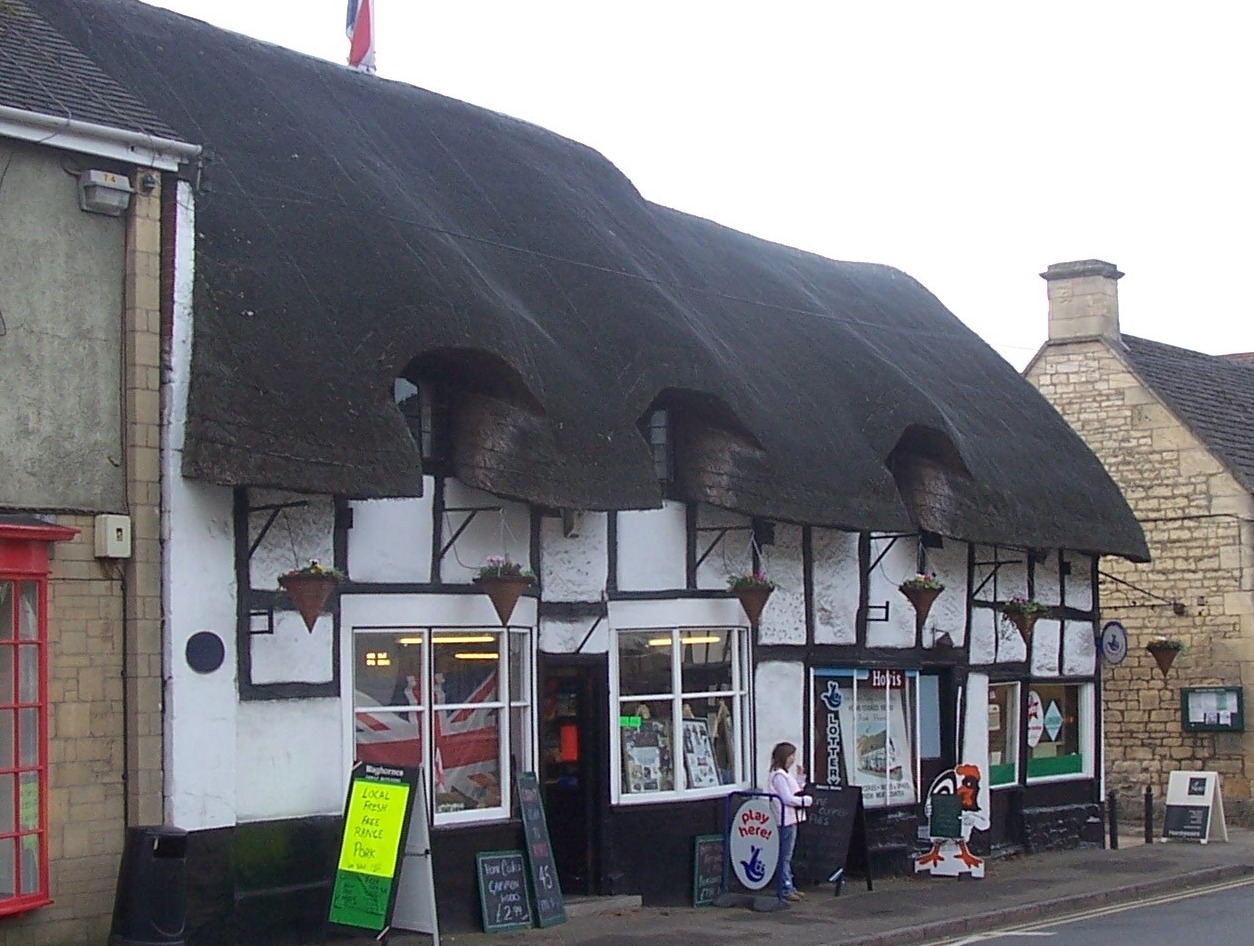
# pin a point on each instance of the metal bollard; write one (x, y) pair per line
(1112, 816)
(1149, 815)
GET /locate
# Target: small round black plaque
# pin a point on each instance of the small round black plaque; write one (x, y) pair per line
(205, 652)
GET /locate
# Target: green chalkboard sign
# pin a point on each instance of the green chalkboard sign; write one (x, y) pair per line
(707, 868)
(376, 821)
(503, 901)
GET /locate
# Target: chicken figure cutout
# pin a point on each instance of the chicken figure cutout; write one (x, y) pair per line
(953, 812)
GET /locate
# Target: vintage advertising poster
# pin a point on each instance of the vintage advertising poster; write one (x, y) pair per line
(877, 748)
(647, 757)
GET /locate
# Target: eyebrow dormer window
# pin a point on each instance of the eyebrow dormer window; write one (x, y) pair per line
(661, 446)
(425, 409)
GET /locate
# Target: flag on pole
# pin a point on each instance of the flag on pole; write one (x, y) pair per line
(360, 29)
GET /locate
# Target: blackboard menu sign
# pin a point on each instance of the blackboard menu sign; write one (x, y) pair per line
(376, 820)
(707, 868)
(833, 824)
(503, 890)
(1195, 807)
(550, 907)
(1186, 822)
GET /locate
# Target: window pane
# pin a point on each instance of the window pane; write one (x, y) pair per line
(8, 804)
(6, 674)
(706, 660)
(519, 668)
(1003, 734)
(466, 668)
(709, 732)
(646, 745)
(28, 817)
(389, 737)
(520, 740)
(28, 611)
(28, 737)
(644, 663)
(1054, 730)
(8, 868)
(6, 610)
(467, 763)
(28, 667)
(929, 717)
(8, 757)
(387, 669)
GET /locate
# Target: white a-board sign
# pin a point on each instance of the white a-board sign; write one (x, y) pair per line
(1195, 808)
(415, 893)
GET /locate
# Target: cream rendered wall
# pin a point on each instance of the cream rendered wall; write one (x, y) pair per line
(652, 548)
(837, 586)
(784, 619)
(780, 712)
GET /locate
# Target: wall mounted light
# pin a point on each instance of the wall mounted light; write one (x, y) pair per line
(103, 192)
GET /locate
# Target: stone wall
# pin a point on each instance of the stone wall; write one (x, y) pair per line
(1197, 523)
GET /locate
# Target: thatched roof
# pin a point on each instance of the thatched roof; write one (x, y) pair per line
(353, 224)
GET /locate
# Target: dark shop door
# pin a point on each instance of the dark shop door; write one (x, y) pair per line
(574, 763)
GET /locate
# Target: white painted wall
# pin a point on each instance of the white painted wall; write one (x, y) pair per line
(779, 712)
(1079, 649)
(299, 535)
(458, 610)
(1080, 581)
(198, 590)
(293, 654)
(290, 759)
(900, 563)
(575, 566)
(680, 612)
(652, 548)
(1046, 575)
(984, 630)
(391, 538)
(1046, 644)
(733, 555)
(1011, 580)
(564, 636)
(837, 586)
(1010, 645)
(492, 533)
(949, 611)
(783, 620)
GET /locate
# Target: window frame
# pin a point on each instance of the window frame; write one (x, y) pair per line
(505, 704)
(1085, 708)
(911, 713)
(739, 694)
(24, 560)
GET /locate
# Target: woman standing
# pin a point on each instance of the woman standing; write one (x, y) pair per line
(786, 786)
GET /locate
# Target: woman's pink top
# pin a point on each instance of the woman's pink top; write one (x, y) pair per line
(784, 785)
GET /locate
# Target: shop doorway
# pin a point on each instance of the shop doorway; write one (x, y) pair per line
(574, 764)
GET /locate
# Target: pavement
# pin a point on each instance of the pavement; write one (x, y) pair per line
(906, 911)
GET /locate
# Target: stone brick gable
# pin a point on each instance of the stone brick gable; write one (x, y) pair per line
(1197, 520)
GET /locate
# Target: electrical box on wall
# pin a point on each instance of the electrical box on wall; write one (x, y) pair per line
(113, 537)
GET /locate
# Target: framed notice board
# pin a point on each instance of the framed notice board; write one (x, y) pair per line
(503, 899)
(1212, 709)
(376, 822)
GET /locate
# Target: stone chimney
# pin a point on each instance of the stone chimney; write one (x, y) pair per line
(1083, 300)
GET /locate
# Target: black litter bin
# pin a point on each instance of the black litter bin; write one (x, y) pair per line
(150, 908)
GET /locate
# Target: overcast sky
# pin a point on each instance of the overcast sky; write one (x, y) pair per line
(969, 144)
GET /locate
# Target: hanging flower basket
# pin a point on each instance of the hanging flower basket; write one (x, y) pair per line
(1023, 613)
(309, 588)
(922, 591)
(752, 590)
(503, 582)
(1164, 651)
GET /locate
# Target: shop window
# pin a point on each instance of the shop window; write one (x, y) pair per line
(456, 702)
(681, 695)
(1059, 730)
(24, 711)
(1003, 734)
(866, 733)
